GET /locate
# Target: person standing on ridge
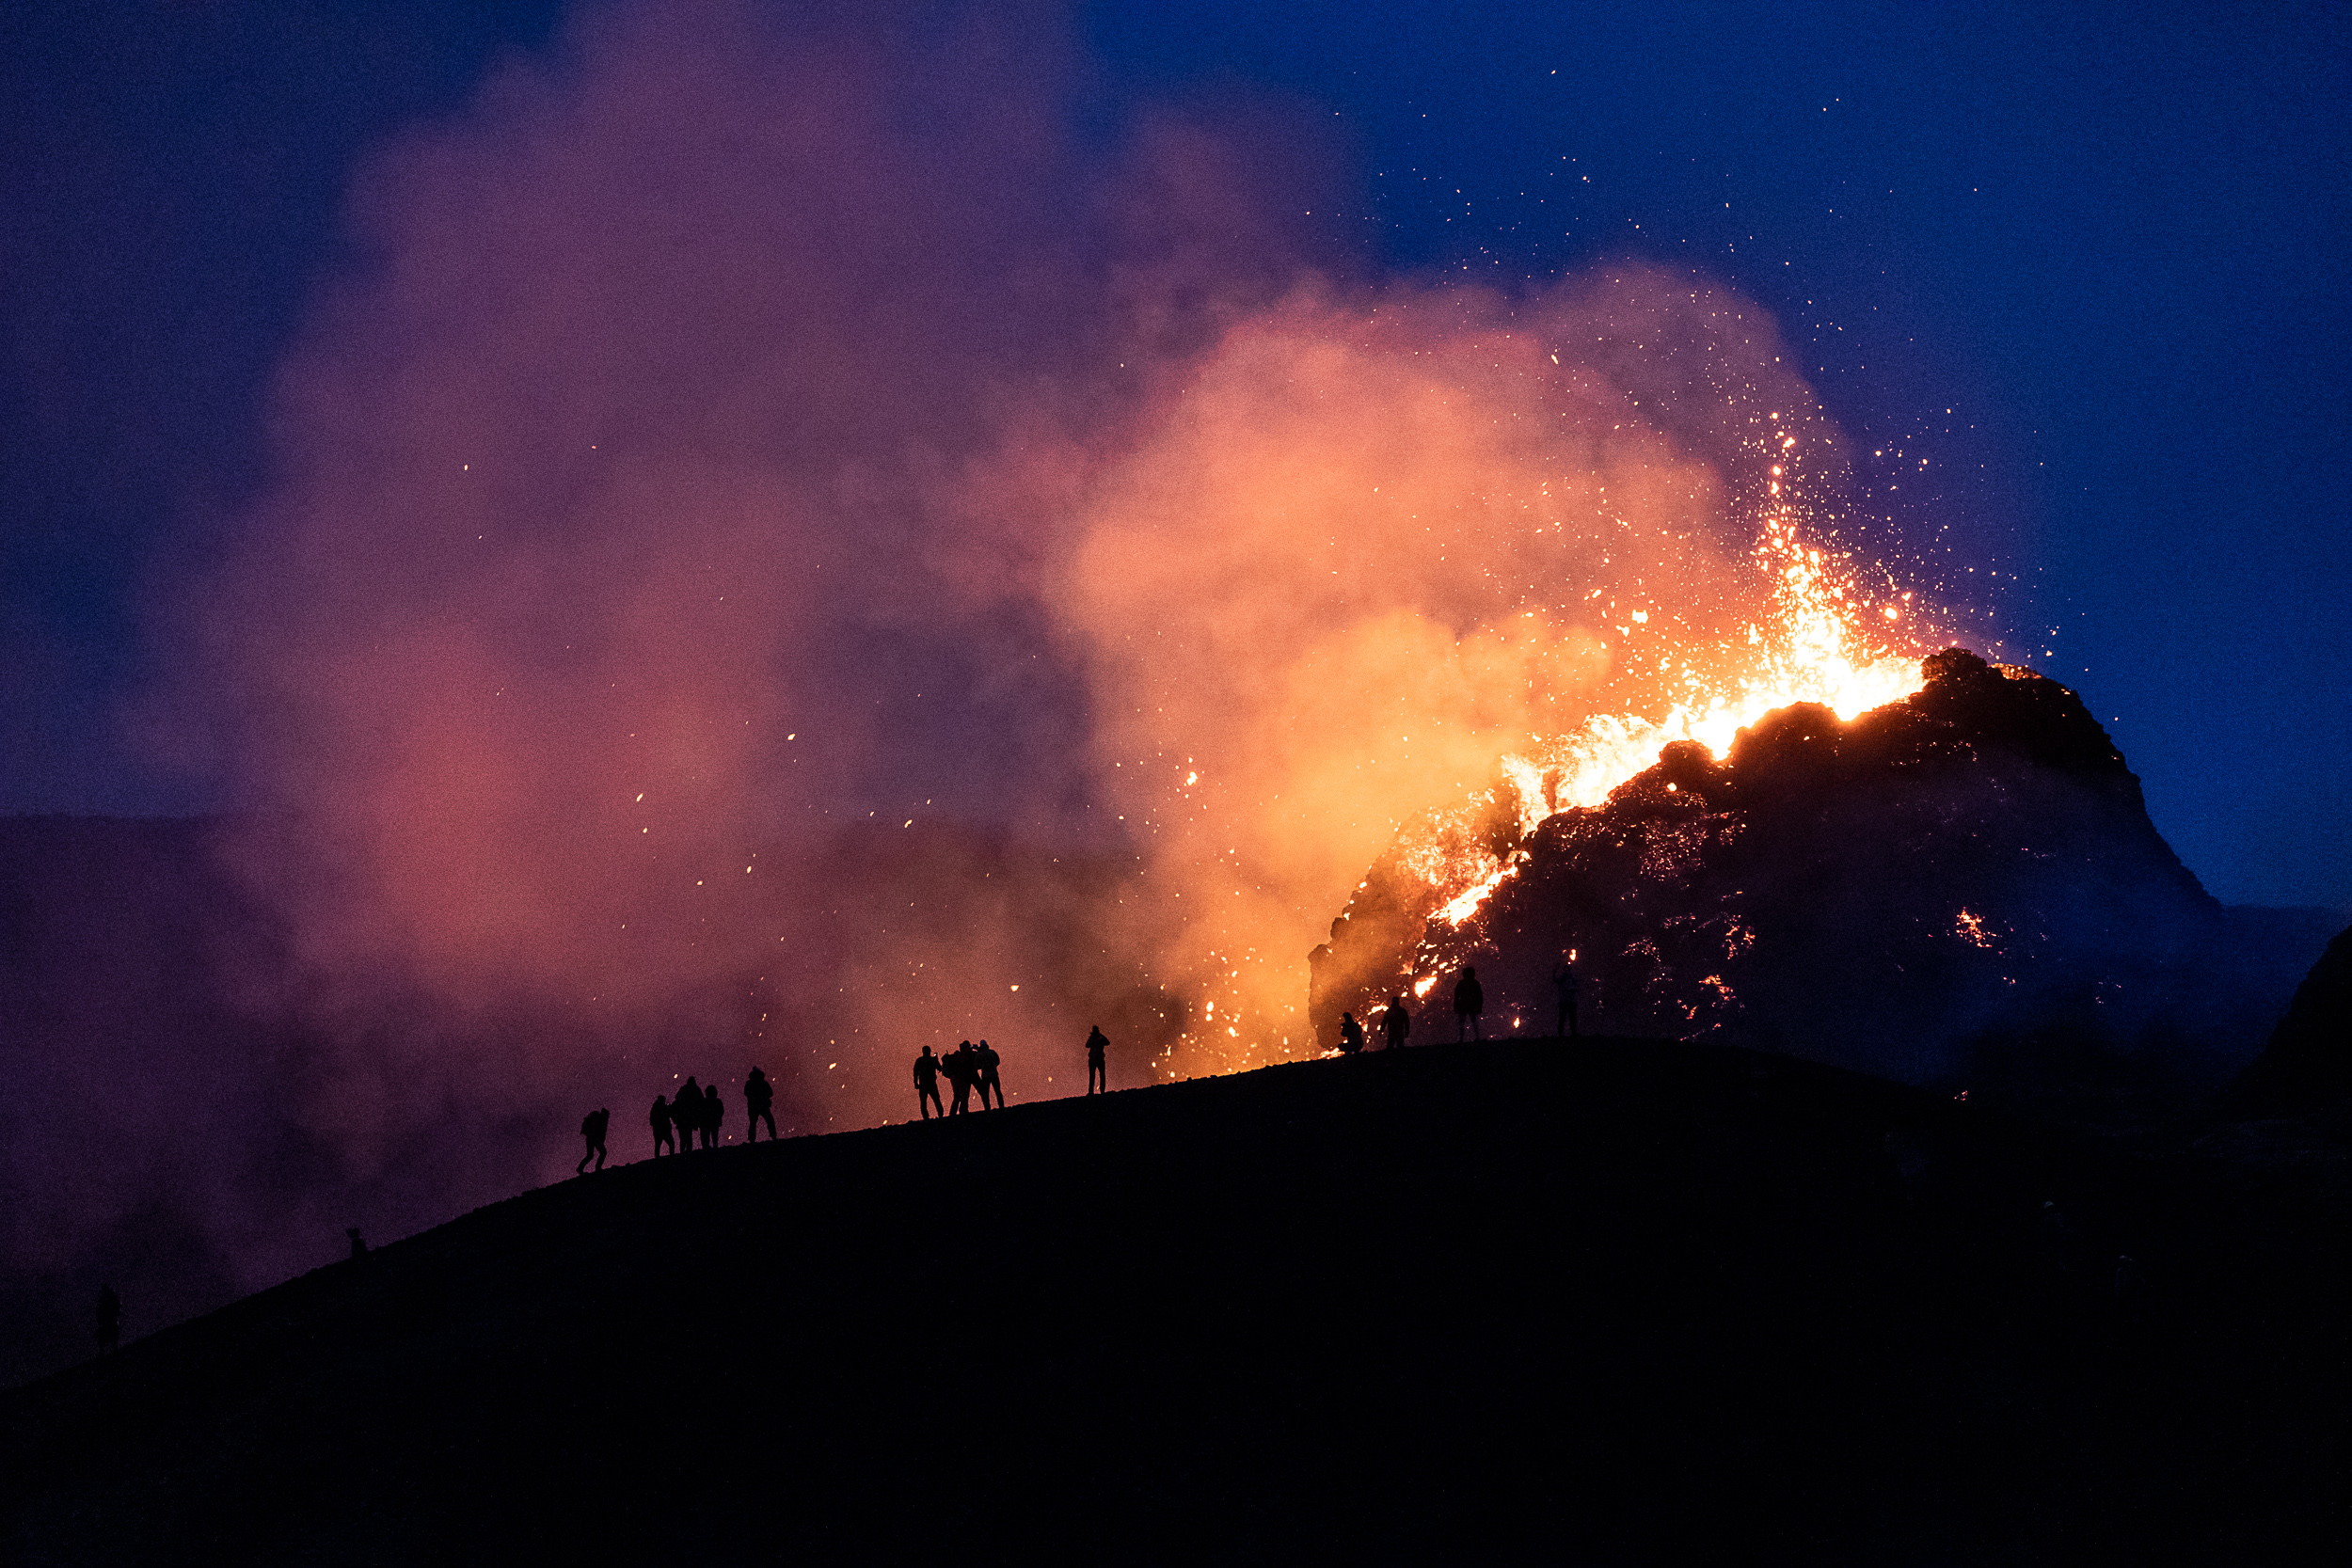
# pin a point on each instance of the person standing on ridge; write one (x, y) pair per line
(951, 1066)
(1097, 1072)
(1564, 984)
(1469, 1006)
(109, 1319)
(662, 1117)
(760, 1098)
(1396, 1022)
(927, 1084)
(592, 1128)
(961, 1071)
(987, 1058)
(686, 1109)
(714, 1111)
(1350, 1035)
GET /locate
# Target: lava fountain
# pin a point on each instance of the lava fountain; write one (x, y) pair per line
(1819, 640)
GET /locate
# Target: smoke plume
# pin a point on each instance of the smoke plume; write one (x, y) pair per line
(787, 548)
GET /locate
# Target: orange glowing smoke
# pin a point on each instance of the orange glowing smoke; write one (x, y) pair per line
(1370, 554)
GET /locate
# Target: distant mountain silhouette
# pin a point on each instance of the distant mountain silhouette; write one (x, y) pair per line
(1624, 1302)
(1962, 886)
(2308, 1064)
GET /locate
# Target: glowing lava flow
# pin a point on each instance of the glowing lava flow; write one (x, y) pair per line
(1816, 644)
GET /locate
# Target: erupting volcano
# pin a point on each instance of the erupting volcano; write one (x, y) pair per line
(1815, 644)
(1962, 881)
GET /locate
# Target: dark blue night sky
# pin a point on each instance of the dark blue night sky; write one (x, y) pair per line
(2084, 263)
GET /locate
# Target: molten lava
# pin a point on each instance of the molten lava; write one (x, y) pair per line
(1819, 640)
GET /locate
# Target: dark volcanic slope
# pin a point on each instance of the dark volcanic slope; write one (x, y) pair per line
(2308, 1062)
(1603, 1304)
(1961, 886)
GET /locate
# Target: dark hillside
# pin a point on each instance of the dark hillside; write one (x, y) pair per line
(2308, 1062)
(1597, 1303)
(1961, 887)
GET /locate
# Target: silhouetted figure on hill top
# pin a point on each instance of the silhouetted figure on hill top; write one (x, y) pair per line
(986, 1058)
(1350, 1035)
(358, 1242)
(1098, 1073)
(927, 1084)
(686, 1109)
(960, 1070)
(662, 1117)
(1396, 1022)
(592, 1128)
(109, 1319)
(714, 1115)
(1469, 1006)
(759, 1098)
(1564, 987)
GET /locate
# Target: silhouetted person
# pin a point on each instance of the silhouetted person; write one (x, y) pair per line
(1397, 1022)
(1097, 1072)
(927, 1084)
(686, 1109)
(1563, 986)
(592, 1128)
(1350, 1035)
(759, 1097)
(1469, 1006)
(662, 1118)
(109, 1319)
(986, 1059)
(714, 1113)
(961, 1071)
(358, 1242)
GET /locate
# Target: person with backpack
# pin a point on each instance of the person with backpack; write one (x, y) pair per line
(961, 1071)
(592, 1128)
(686, 1109)
(1396, 1022)
(662, 1117)
(759, 1095)
(985, 1059)
(1470, 1006)
(927, 1084)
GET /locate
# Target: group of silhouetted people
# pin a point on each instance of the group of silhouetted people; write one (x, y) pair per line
(694, 1112)
(968, 1067)
(1395, 1025)
(1469, 1010)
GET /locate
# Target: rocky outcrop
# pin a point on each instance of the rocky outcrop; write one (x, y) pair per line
(1964, 876)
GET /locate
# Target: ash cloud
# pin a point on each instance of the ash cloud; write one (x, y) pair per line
(771, 517)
